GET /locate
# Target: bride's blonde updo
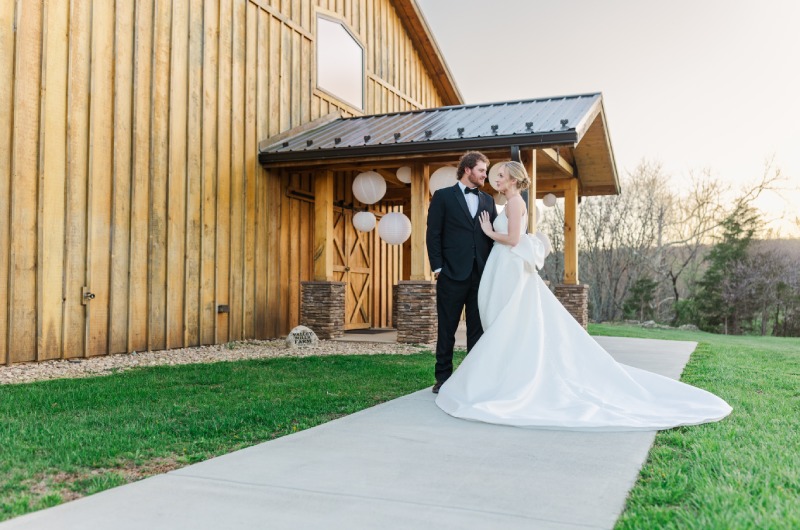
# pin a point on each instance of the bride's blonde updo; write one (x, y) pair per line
(516, 172)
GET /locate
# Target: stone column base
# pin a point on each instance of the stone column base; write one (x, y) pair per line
(415, 307)
(322, 308)
(575, 299)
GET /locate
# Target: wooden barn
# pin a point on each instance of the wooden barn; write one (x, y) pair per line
(179, 172)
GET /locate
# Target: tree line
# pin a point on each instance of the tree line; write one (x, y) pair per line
(696, 255)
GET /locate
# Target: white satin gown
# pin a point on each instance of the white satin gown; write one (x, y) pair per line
(535, 366)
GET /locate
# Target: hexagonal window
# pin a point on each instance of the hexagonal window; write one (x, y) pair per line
(340, 62)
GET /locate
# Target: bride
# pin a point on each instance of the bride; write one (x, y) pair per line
(535, 366)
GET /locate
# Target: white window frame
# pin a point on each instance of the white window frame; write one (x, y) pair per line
(331, 91)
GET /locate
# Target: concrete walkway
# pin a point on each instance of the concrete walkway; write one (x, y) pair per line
(403, 464)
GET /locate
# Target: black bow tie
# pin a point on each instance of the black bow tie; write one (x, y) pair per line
(471, 190)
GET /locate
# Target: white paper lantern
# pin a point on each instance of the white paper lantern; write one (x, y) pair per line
(444, 177)
(369, 187)
(549, 200)
(494, 170)
(364, 221)
(394, 228)
(404, 174)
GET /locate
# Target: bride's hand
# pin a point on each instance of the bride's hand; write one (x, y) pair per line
(486, 223)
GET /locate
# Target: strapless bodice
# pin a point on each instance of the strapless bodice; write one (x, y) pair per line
(500, 224)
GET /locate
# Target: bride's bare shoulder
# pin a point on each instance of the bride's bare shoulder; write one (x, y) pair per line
(516, 204)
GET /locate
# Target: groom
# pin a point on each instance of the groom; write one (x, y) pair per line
(458, 249)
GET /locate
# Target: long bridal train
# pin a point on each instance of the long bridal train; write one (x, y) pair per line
(535, 366)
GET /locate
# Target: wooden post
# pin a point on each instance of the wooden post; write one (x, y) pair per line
(529, 160)
(405, 266)
(571, 234)
(323, 226)
(420, 198)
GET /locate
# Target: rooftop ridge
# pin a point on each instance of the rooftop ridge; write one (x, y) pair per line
(472, 106)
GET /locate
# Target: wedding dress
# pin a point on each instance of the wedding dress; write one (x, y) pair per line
(535, 366)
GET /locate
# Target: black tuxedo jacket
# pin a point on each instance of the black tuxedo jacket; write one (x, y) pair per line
(454, 238)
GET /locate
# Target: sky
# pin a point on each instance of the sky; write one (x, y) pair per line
(695, 85)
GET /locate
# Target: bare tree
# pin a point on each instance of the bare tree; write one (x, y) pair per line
(651, 230)
(552, 224)
(694, 217)
(618, 236)
(773, 277)
(696, 220)
(787, 302)
(621, 237)
(776, 264)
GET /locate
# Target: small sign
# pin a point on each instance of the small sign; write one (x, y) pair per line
(301, 337)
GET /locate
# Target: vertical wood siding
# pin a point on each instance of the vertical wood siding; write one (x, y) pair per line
(129, 138)
(7, 57)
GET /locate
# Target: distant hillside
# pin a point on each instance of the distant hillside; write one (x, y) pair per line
(787, 247)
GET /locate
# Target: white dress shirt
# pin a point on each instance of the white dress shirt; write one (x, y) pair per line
(471, 198)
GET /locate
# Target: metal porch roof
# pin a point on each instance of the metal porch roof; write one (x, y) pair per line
(535, 122)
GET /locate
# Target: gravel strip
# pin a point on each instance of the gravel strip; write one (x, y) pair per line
(235, 351)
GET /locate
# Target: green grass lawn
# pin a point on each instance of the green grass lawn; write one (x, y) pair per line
(743, 472)
(72, 437)
(66, 438)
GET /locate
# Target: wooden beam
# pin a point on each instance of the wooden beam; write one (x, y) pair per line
(529, 161)
(557, 186)
(571, 234)
(365, 163)
(558, 161)
(405, 270)
(323, 226)
(420, 198)
(395, 194)
(389, 176)
(391, 163)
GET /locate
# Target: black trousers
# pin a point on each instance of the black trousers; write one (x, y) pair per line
(451, 297)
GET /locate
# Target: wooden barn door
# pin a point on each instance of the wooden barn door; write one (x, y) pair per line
(352, 264)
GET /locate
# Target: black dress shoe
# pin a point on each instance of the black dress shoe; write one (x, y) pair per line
(436, 388)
